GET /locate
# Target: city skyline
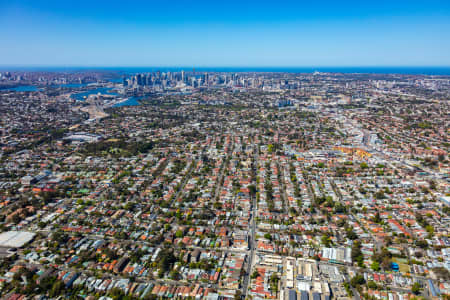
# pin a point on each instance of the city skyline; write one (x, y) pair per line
(232, 34)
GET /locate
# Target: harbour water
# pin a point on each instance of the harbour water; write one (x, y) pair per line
(132, 101)
(23, 88)
(102, 90)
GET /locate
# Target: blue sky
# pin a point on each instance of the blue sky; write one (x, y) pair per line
(224, 33)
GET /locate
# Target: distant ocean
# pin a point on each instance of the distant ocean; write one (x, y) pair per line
(348, 70)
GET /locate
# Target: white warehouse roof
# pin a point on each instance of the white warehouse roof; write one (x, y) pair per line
(15, 238)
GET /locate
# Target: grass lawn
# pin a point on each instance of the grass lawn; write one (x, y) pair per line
(404, 268)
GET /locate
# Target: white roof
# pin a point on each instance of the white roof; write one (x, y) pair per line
(15, 238)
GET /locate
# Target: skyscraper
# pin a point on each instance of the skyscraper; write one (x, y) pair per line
(206, 79)
(138, 79)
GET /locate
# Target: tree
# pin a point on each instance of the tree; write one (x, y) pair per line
(351, 235)
(42, 224)
(238, 295)
(17, 276)
(377, 218)
(357, 253)
(339, 208)
(47, 283)
(166, 260)
(326, 241)
(375, 266)
(174, 274)
(347, 288)
(386, 263)
(255, 274)
(422, 244)
(372, 285)
(416, 288)
(429, 229)
(16, 218)
(433, 184)
(274, 282)
(383, 258)
(380, 195)
(252, 189)
(57, 288)
(60, 237)
(116, 293)
(357, 280)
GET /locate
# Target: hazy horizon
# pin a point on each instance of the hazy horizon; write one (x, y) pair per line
(405, 70)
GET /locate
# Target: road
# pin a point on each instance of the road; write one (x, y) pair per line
(183, 183)
(252, 242)
(223, 167)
